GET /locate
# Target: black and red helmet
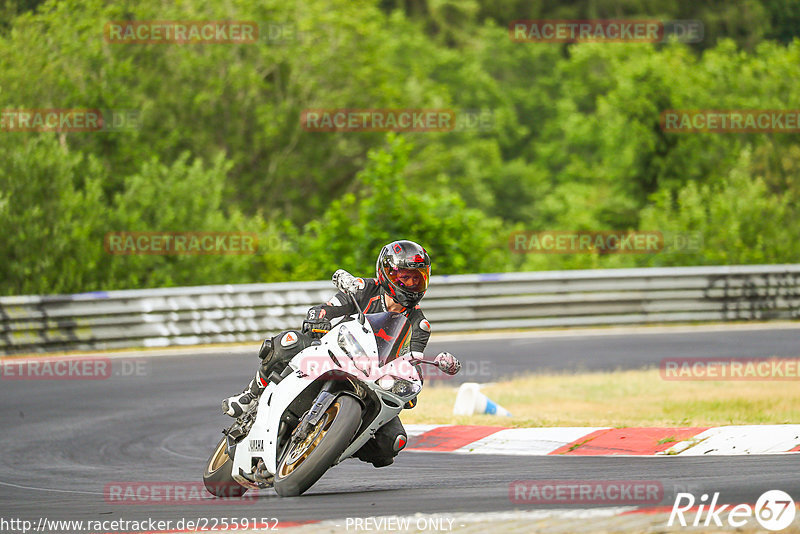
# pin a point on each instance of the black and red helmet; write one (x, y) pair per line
(404, 271)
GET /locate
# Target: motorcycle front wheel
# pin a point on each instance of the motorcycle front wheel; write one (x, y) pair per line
(305, 462)
(217, 475)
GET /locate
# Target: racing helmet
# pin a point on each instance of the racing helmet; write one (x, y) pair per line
(403, 270)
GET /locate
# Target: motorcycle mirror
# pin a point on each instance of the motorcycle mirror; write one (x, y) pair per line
(443, 367)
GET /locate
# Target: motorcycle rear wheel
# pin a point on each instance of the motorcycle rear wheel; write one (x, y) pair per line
(217, 475)
(305, 462)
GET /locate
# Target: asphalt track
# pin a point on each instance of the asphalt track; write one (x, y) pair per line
(63, 441)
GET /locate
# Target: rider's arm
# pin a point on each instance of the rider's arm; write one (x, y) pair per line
(420, 333)
(341, 304)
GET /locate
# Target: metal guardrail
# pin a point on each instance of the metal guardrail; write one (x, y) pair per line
(249, 312)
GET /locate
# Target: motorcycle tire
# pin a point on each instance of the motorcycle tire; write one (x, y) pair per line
(305, 463)
(217, 475)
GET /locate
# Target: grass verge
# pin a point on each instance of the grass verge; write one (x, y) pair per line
(618, 399)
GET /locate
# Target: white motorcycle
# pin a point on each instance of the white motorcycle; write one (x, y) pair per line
(322, 408)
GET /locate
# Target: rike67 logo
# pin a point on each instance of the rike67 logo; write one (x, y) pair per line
(774, 510)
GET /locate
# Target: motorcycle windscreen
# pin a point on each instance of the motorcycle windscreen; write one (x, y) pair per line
(392, 334)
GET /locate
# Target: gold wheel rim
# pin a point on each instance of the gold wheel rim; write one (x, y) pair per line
(220, 456)
(300, 452)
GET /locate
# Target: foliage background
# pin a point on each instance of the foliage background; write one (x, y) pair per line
(574, 144)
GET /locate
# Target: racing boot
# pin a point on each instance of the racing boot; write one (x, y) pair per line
(238, 404)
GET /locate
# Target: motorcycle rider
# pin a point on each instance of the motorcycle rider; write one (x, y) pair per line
(402, 275)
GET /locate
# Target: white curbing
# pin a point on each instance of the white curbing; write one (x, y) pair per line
(735, 440)
(528, 441)
(717, 441)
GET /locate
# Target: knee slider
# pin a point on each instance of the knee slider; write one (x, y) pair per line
(399, 443)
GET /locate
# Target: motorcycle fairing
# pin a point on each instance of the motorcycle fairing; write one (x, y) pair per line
(262, 440)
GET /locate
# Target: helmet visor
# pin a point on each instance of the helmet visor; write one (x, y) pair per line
(415, 280)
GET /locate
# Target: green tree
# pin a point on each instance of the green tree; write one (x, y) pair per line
(739, 219)
(352, 231)
(51, 226)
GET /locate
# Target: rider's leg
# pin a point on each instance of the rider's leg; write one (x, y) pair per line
(238, 404)
(387, 442)
(274, 353)
(284, 347)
